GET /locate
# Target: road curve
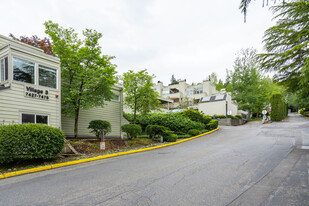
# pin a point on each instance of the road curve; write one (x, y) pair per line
(228, 167)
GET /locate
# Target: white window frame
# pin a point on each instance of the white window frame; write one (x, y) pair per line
(4, 73)
(35, 70)
(116, 100)
(21, 117)
(38, 67)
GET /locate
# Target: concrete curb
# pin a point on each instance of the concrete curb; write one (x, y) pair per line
(37, 169)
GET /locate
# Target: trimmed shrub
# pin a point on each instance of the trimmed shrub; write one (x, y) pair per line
(219, 117)
(238, 116)
(175, 122)
(171, 138)
(204, 131)
(29, 141)
(213, 124)
(195, 116)
(132, 130)
(278, 108)
(154, 130)
(184, 136)
(99, 126)
(194, 132)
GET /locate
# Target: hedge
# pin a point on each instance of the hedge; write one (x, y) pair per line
(213, 124)
(29, 141)
(195, 116)
(279, 109)
(175, 122)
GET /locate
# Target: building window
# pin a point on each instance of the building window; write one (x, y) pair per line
(189, 92)
(23, 71)
(3, 69)
(33, 118)
(47, 77)
(165, 92)
(116, 98)
(198, 90)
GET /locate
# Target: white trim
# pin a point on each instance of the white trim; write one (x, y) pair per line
(35, 69)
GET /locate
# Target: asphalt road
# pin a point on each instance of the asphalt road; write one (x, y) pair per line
(252, 164)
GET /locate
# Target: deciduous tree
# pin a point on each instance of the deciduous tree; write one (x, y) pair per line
(87, 75)
(140, 96)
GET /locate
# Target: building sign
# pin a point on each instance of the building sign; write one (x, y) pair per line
(32, 92)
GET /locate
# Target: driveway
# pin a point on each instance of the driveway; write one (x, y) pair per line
(252, 164)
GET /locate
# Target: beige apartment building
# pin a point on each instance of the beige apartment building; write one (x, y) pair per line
(29, 85)
(202, 96)
(30, 92)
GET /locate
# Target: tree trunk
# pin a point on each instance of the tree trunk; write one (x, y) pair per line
(76, 123)
(134, 120)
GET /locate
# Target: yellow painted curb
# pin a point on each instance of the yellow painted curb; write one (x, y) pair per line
(37, 169)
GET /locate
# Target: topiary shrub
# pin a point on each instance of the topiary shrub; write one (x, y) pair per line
(132, 130)
(171, 138)
(29, 141)
(193, 132)
(99, 126)
(154, 130)
(213, 124)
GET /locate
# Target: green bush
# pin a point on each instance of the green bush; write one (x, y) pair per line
(29, 141)
(219, 117)
(171, 138)
(195, 116)
(132, 130)
(143, 136)
(278, 108)
(213, 124)
(194, 132)
(238, 116)
(204, 131)
(154, 130)
(175, 122)
(99, 126)
(184, 136)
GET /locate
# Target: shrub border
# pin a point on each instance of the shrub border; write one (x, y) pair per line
(43, 168)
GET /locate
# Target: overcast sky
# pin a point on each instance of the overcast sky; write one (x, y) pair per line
(187, 38)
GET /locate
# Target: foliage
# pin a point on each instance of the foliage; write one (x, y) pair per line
(204, 131)
(35, 41)
(238, 116)
(171, 138)
(194, 132)
(279, 108)
(99, 126)
(173, 80)
(249, 88)
(213, 124)
(140, 96)
(214, 80)
(244, 6)
(143, 136)
(287, 46)
(175, 121)
(195, 116)
(29, 141)
(87, 76)
(154, 130)
(184, 136)
(219, 116)
(132, 130)
(136, 142)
